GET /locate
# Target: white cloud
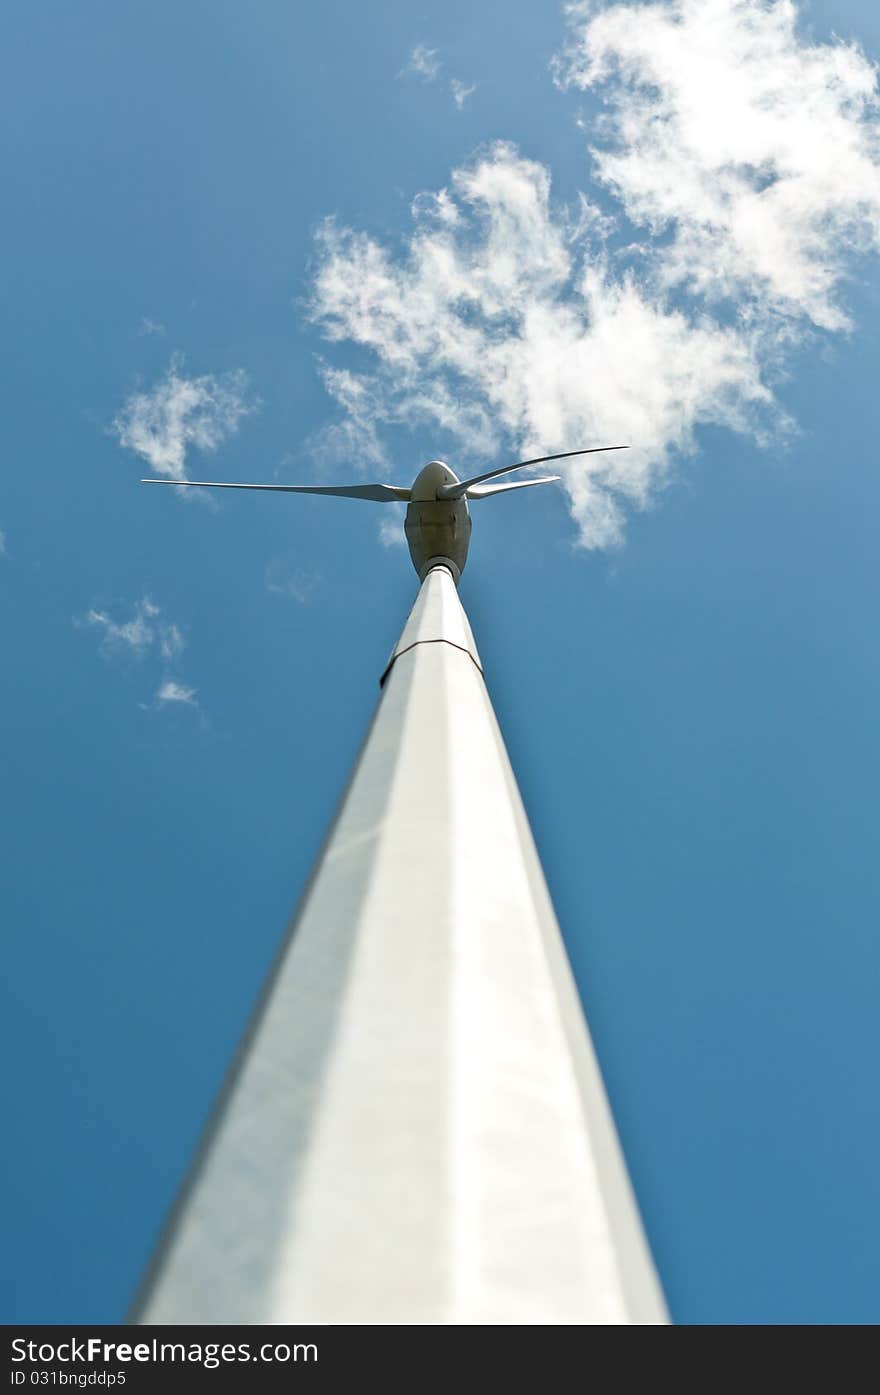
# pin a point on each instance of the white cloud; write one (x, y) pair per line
(135, 636)
(757, 149)
(144, 634)
(150, 327)
(502, 325)
(172, 691)
(750, 160)
(285, 579)
(391, 532)
(460, 92)
(171, 641)
(423, 62)
(354, 437)
(181, 412)
(437, 205)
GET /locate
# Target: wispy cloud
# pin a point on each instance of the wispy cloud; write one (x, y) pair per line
(172, 691)
(494, 326)
(423, 62)
(144, 634)
(756, 149)
(170, 641)
(180, 413)
(355, 435)
(391, 532)
(134, 636)
(747, 157)
(285, 579)
(151, 327)
(461, 91)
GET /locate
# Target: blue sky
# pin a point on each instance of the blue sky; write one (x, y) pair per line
(683, 658)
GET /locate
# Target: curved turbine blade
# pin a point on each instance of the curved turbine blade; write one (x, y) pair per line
(482, 491)
(457, 491)
(378, 493)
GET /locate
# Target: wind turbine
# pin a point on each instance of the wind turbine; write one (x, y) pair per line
(415, 1129)
(438, 524)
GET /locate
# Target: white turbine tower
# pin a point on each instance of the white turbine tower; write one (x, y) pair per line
(415, 1128)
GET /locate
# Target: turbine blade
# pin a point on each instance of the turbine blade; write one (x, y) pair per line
(482, 491)
(457, 491)
(378, 493)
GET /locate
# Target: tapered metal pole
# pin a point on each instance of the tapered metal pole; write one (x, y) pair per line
(415, 1130)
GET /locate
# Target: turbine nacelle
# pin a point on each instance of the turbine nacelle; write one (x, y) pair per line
(438, 523)
(438, 531)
